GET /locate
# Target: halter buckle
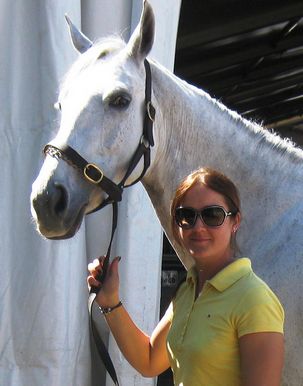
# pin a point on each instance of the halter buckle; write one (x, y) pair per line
(150, 111)
(93, 173)
(144, 142)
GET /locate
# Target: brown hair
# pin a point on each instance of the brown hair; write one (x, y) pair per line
(212, 179)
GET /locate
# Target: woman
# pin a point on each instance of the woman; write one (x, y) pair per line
(225, 326)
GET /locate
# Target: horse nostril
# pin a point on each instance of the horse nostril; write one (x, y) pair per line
(60, 201)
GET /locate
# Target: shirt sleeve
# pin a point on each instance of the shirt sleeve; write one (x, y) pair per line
(169, 312)
(259, 311)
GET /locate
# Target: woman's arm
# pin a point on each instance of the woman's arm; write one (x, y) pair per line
(261, 356)
(148, 355)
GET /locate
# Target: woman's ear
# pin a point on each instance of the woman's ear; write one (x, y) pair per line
(237, 222)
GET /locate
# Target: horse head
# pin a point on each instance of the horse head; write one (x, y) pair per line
(101, 103)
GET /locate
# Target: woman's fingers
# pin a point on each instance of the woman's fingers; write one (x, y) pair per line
(92, 282)
(113, 271)
(115, 262)
(95, 272)
(95, 268)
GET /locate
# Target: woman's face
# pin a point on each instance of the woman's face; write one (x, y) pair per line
(207, 244)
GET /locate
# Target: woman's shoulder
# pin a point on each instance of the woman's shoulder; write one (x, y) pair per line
(258, 308)
(255, 290)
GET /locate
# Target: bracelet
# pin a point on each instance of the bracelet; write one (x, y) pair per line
(107, 310)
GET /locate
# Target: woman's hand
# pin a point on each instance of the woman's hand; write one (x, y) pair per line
(108, 295)
(152, 358)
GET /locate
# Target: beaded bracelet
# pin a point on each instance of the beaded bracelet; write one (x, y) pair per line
(107, 310)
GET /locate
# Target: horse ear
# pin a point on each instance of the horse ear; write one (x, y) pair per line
(80, 42)
(141, 41)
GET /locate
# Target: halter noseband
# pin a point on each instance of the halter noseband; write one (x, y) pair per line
(95, 175)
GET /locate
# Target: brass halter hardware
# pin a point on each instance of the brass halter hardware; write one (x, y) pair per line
(88, 169)
(150, 111)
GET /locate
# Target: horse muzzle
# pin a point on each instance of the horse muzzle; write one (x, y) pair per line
(54, 214)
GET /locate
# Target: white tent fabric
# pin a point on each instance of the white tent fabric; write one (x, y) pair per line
(44, 335)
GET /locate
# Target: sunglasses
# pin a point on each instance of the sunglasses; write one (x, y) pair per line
(211, 216)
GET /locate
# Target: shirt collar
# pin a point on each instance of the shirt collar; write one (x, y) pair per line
(231, 274)
(227, 276)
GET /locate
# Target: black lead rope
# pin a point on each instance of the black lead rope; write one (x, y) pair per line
(95, 175)
(101, 348)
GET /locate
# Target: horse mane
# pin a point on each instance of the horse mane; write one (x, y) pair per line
(258, 136)
(267, 138)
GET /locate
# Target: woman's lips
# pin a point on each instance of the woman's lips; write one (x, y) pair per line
(199, 239)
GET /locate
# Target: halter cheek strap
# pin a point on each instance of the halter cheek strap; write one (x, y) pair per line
(93, 174)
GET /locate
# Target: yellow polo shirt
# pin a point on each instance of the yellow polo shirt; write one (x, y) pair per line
(203, 339)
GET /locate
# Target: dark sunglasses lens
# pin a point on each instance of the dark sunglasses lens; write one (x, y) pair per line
(185, 217)
(213, 216)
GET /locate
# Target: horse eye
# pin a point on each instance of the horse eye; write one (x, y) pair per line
(120, 101)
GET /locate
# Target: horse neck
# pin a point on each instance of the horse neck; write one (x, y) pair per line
(193, 130)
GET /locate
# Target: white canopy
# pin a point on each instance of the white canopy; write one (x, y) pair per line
(44, 335)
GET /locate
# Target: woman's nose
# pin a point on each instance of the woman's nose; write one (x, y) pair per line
(199, 223)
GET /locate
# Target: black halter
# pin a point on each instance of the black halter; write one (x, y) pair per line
(92, 173)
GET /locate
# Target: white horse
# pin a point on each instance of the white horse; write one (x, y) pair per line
(101, 102)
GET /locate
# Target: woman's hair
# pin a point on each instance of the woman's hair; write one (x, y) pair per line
(213, 180)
